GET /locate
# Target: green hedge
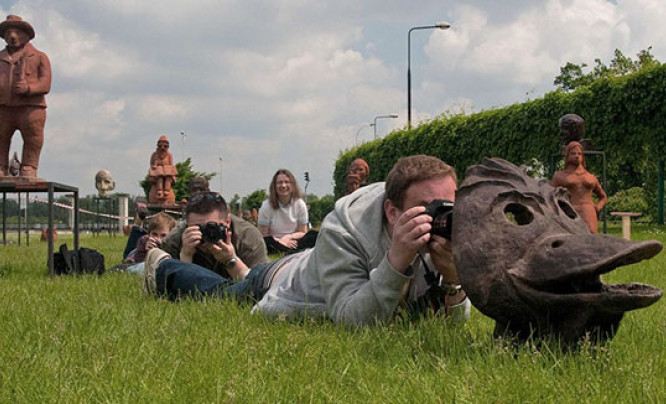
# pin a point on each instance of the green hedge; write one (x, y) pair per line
(625, 117)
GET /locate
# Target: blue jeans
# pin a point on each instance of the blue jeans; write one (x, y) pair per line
(177, 279)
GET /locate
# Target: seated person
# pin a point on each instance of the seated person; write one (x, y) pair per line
(159, 226)
(198, 184)
(283, 217)
(363, 267)
(137, 230)
(242, 248)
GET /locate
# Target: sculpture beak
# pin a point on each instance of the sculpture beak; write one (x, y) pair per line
(568, 267)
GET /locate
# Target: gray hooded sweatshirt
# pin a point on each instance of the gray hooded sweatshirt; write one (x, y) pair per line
(347, 276)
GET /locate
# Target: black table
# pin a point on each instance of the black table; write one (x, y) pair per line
(20, 185)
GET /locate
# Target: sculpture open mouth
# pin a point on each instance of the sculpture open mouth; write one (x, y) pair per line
(580, 282)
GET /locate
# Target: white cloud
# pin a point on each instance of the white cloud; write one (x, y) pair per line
(290, 83)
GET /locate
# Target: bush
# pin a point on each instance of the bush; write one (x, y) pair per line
(630, 200)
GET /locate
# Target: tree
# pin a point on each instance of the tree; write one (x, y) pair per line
(572, 75)
(254, 200)
(319, 208)
(185, 174)
(234, 204)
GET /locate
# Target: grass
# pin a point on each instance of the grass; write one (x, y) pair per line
(93, 339)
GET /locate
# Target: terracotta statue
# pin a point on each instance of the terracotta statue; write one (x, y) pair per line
(581, 184)
(527, 260)
(162, 174)
(104, 183)
(572, 128)
(25, 77)
(45, 235)
(361, 168)
(352, 183)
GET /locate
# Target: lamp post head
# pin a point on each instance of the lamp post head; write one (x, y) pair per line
(443, 25)
(393, 116)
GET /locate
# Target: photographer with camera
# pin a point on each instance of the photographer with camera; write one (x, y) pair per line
(376, 252)
(214, 239)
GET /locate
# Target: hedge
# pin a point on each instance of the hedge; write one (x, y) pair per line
(625, 117)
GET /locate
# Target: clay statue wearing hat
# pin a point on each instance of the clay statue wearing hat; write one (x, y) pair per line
(25, 77)
(162, 174)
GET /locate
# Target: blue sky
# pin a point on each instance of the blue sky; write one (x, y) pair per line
(289, 83)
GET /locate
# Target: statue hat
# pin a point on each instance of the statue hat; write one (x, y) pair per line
(14, 21)
(163, 139)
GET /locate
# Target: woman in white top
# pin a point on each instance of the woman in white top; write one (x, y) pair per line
(283, 217)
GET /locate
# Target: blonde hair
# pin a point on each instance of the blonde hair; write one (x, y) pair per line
(160, 220)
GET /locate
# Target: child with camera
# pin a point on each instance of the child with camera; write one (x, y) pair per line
(159, 225)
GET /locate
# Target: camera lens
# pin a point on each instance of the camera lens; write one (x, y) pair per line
(212, 232)
(441, 212)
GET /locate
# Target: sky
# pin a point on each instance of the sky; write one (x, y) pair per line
(255, 86)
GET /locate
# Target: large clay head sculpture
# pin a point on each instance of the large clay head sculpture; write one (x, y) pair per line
(572, 128)
(104, 183)
(527, 260)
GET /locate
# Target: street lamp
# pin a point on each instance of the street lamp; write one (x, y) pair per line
(359, 131)
(440, 25)
(184, 135)
(393, 116)
(221, 184)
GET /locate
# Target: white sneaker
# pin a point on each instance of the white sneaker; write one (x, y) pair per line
(153, 259)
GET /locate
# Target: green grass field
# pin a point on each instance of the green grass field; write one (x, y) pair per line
(100, 339)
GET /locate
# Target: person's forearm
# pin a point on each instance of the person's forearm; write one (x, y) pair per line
(239, 271)
(185, 256)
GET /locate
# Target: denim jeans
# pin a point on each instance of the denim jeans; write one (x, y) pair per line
(177, 279)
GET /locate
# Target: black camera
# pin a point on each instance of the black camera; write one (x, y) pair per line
(442, 217)
(211, 232)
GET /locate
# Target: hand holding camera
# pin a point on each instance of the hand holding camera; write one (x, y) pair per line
(440, 248)
(212, 232)
(215, 240)
(442, 217)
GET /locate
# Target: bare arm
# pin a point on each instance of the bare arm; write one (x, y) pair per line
(601, 196)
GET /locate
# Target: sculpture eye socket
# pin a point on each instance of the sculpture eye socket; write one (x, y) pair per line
(518, 214)
(567, 209)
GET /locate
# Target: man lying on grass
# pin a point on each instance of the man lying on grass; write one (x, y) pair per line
(371, 256)
(212, 238)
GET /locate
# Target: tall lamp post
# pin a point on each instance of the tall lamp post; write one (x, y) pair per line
(184, 135)
(359, 131)
(392, 116)
(221, 161)
(440, 25)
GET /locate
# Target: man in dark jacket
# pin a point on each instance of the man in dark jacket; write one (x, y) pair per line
(240, 247)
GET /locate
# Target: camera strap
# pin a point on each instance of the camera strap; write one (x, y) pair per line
(435, 294)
